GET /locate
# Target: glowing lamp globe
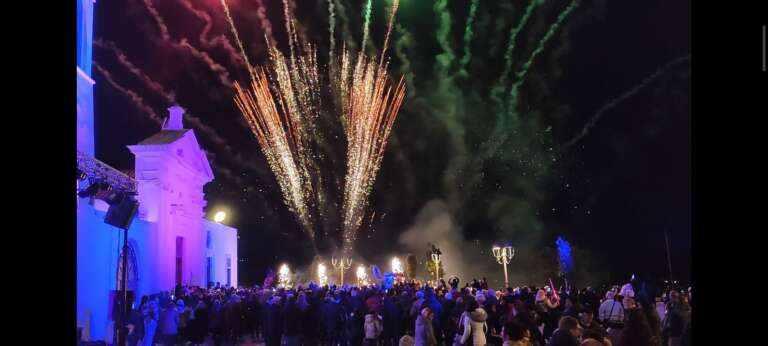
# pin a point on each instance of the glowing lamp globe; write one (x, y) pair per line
(219, 216)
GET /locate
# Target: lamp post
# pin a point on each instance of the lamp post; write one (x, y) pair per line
(284, 277)
(362, 276)
(397, 269)
(341, 264)
(504, 256)
(436, 259)
(322, 276)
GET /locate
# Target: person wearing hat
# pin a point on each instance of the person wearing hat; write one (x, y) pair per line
(425, 333)
(611, 312)
(474, 324)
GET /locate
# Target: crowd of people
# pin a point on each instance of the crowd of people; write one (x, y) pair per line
(411, 313)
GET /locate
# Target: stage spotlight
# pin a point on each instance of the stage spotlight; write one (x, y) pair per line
(89, 191)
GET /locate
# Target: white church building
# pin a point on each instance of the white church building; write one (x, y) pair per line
(170, 242)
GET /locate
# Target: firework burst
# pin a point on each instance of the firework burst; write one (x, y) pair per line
(283, 105)
(369, 108)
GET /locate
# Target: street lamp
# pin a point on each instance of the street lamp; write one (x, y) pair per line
(322, 277)
(284, 276)
(436, 259)
(341, 264)
(219, 216)
(362, 276)
(504, 256)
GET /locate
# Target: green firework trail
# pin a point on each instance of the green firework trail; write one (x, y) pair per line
(446, 58)
(367, 23)
(331, 27)
(498, 88)
(508, 118)
(468, 33)
(514, 92)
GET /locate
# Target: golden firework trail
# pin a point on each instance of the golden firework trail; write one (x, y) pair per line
(369, 108)
(283, 105)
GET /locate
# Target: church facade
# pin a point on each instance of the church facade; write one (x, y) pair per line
(170, 241)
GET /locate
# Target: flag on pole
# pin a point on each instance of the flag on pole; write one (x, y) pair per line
(555, 296)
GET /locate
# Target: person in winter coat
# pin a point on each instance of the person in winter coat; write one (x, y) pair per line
(474, 324)
(233, 318)
(354, 324)
(547, 311)
(273, 323)
(586, 321)
(611, 312)
(311, 318)
(678, 314)
(567, 333)
(199, 325)
(425, 334)
(216, 321)
(527, 319)
(636, 331)
(169, 324)
(150, 314)
(446, 320)
(516, 334)
(333, 320)
(392, 322)
(373, 327)
(292, 323)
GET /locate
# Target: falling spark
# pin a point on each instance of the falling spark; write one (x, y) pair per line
(283, 105)
(371, 107)
(279, 134)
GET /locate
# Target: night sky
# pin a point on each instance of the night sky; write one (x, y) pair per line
(612, 194)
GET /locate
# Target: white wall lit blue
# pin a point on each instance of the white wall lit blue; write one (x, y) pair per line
(170, 240)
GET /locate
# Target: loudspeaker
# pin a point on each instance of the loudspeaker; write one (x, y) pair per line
(121, 214)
